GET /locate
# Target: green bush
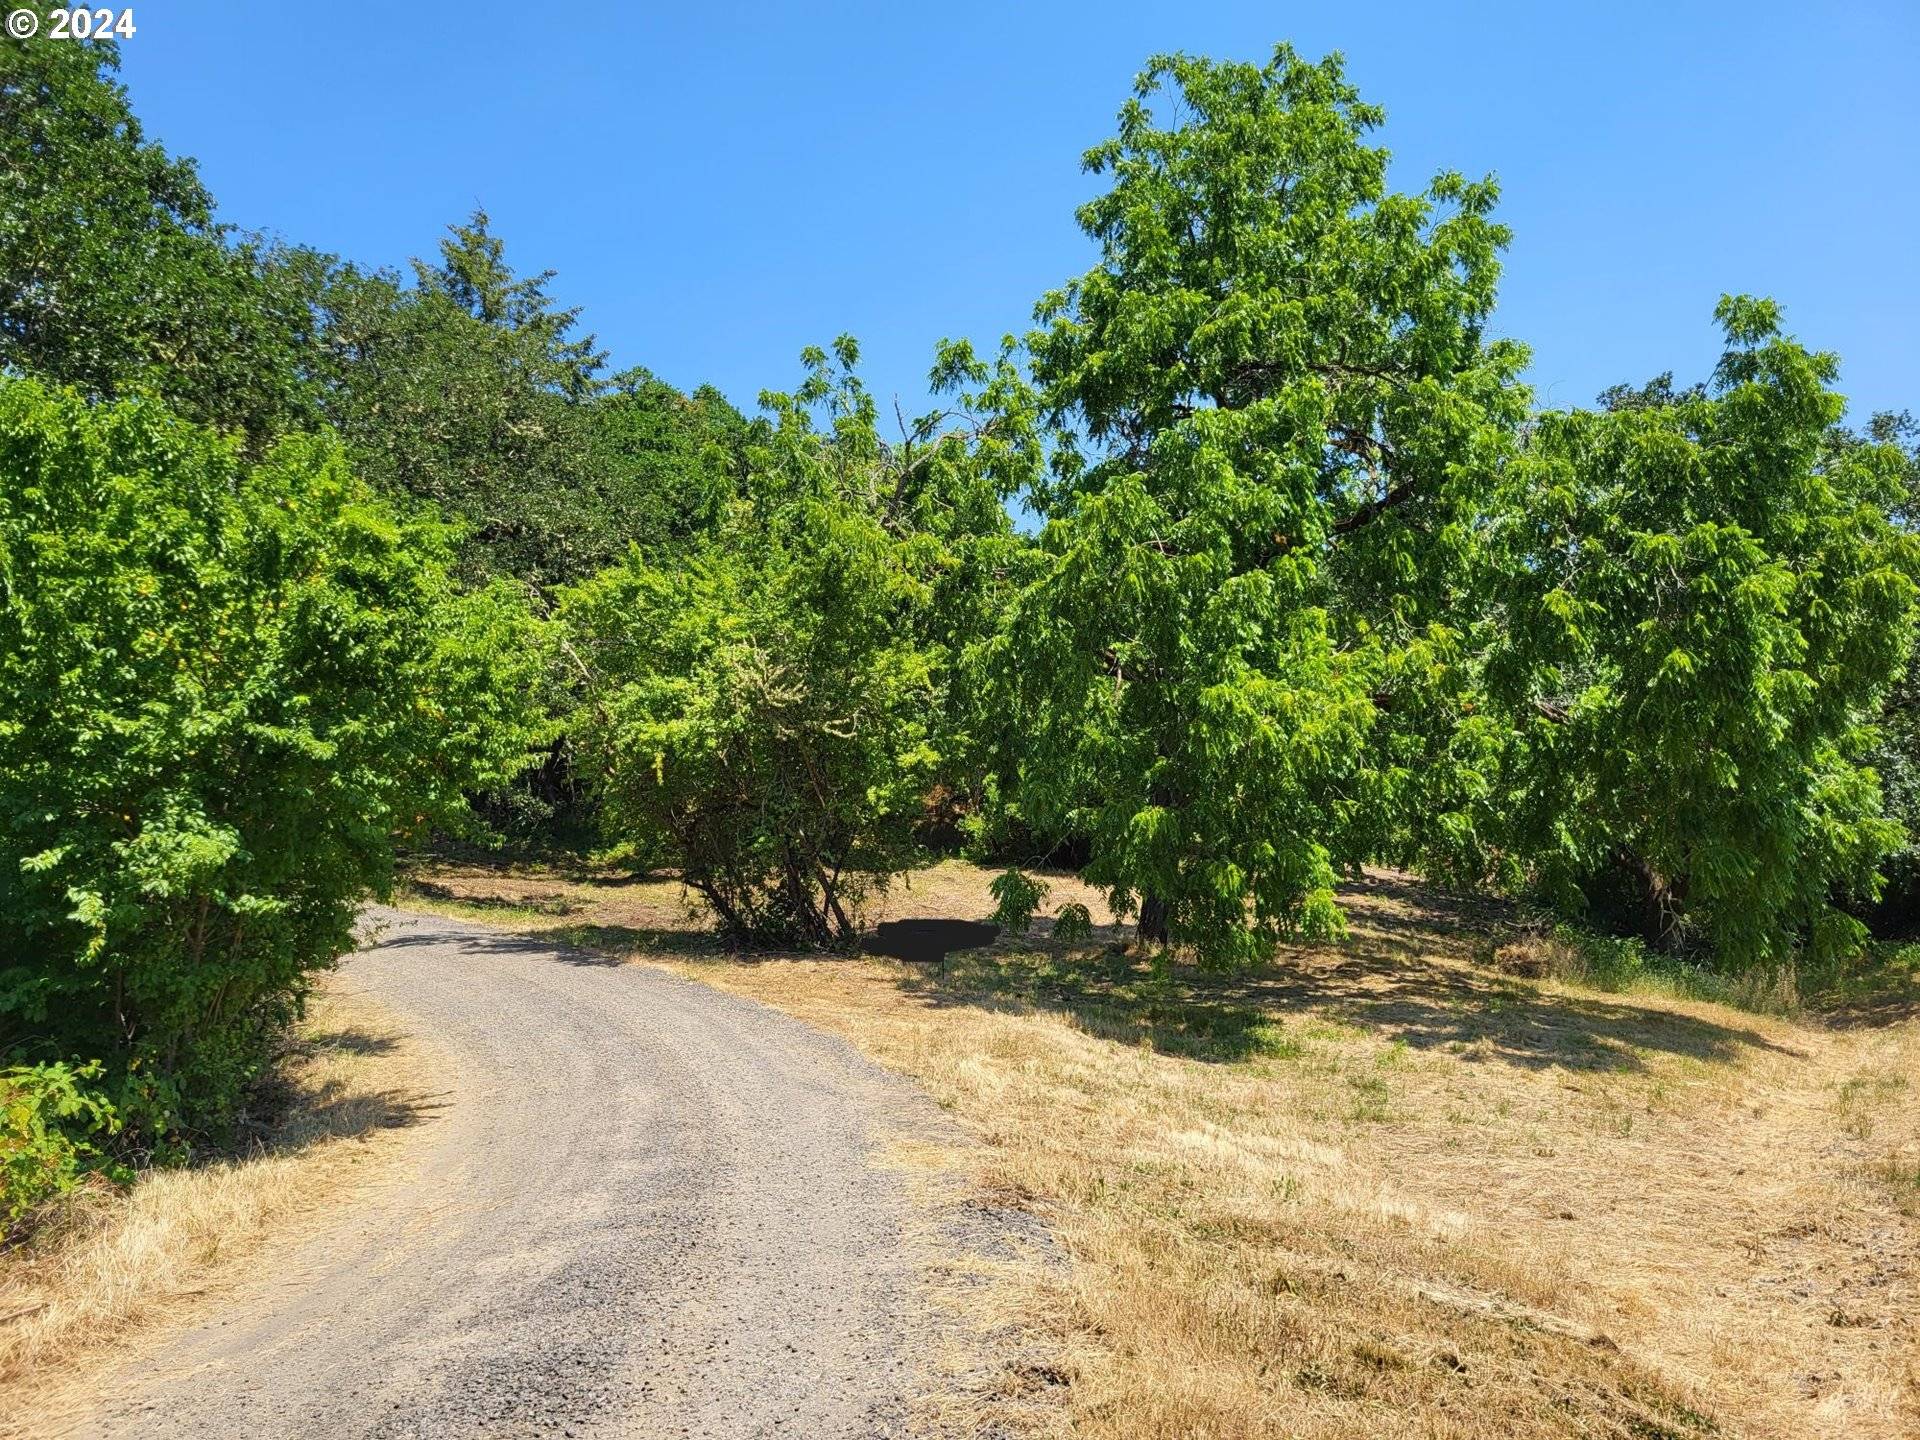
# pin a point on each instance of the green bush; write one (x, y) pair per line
(767, 710)
(48, 1114)
(1017, 898)
(759, 718)
(226, 692)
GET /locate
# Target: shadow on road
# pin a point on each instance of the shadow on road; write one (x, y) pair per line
(557, 944)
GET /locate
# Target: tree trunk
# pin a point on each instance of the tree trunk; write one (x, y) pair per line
(1659, 904)
(1153, 919)
(829, 884)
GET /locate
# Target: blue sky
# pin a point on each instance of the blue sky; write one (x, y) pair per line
(721, 184)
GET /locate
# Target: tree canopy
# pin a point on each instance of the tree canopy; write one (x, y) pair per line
(1704, 602)
(302, 561)
(471, 389)
(1275, 417)
(115, 275)
(769, 710)
(228, 690)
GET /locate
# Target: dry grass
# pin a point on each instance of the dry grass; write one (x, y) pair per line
(1380, 1189)
(111, 1262)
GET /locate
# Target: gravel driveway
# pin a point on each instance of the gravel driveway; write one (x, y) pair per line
(642, 1207)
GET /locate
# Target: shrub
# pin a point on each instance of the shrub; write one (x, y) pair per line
(1017, 897)
(761, 719)
(769, 711)
(1073, 925)
(226, 692)
(48, 1114)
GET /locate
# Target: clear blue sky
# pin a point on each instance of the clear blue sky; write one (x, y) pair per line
(720, 184)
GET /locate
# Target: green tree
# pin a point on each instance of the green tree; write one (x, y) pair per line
(470, 388)
(1705, 602)
(227, 691)
(1274, 415)
(115, 276)
(1896, 758)
(668, 462)
(768, 710)
(467, 389)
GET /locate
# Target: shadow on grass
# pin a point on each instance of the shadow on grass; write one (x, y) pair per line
(1882, 990)
(333, 1110)
(1179, 1010)
(630, 939)
(352, 1042)
(289, 1113)
(1384, 981)
(556, 905)
(1396, 977)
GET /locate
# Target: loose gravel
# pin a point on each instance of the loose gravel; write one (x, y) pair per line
(642, 1207)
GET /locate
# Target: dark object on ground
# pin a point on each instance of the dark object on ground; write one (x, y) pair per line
(927, 942)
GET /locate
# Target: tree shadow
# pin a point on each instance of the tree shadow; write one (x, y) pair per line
(657, 940)
(354, 1042)
(1870, 1012)
(1403, 974)
(290, 1112)
(562, 944)
(576, 943)
(556, 905)
(1384, 982)
(334, 1110)
(1872, 991)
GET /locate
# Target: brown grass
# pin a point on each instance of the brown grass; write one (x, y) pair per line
(110, 1262)
(1379, 1189)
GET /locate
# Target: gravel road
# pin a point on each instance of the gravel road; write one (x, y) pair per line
(641, 1208)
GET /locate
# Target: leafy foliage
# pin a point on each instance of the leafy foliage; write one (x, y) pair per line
(1074, 924)
(49, 1114)
(226, 691)
(1896, 757)
(1274, 417)
(1314, 589)
(469, 388)
(768, 710)
(1705, 602)
(1017, 898)
(669, 462)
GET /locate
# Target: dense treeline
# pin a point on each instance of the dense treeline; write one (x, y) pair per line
(302, 562)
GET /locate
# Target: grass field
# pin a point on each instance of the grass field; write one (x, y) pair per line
(1379, 1188)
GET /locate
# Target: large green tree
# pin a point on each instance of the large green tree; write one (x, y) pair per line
(1275, 414)
(468, 388)
(770, 709)
(1705, 600)
(1896, 759)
